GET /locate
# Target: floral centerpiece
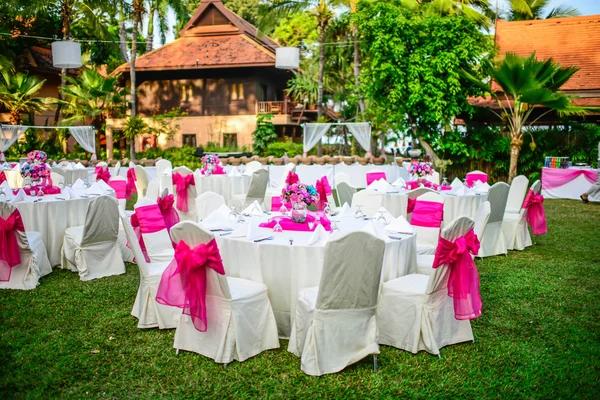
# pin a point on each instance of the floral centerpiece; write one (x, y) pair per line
(210, 163)
(421, 169)
(301, 196)
(36, 168)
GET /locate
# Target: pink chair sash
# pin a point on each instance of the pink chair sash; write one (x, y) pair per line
(170, 216)
(183, 283)
(181, 183)
(9, 247)
(555, 177)
(102, 174)
(536, 215)
(323, 189)
(287, 224)
(292, 178)
(474, 177)
(428, 214)
(410, 207)
(375, 176)
(120, 188)
(463, 282)
(135, 224)
(150, 219)
(2, 176)
(130, 187)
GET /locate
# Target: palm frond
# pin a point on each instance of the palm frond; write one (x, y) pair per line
(563, 11)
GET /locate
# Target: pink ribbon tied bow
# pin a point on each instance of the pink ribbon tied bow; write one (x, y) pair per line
(292, 178)
(324, 190)
(102, 174)
(181, 183)
(165, 204)
(183, 283)
(536, 215)
(9, 247)
(130, 188)
(2, 176)
(463, 282)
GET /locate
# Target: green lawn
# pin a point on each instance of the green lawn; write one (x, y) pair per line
(539, 336)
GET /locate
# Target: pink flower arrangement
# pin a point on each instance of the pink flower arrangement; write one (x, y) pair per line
(300, 193)
(420, 169)
(35, 171)
(36, 155)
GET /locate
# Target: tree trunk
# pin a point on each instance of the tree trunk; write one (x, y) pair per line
(361, 101)
(123, 35)
(321, 78)
(137, 15)
(515, 149)
(428, 150)
(14, 118)
(150, 36)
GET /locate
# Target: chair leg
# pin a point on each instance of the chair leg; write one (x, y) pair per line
(375, 363)
(176, 352)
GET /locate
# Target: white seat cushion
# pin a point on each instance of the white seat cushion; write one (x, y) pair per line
(512, 216)
(425, 260)
(414, 283)
(244, 288)
(75, 233)
(157, 268)
(308, 296)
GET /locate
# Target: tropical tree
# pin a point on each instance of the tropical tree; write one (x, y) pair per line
(138, 11)
(522, 10)
(527, 84)
(158, 9)
(478, 11)
(17, 94)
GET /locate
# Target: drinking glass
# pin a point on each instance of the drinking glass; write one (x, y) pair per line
(277, 228)
(381, 218)
(359, 212)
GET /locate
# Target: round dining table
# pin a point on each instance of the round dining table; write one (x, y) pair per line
(223, 184)
(287, 263)
(71, 175)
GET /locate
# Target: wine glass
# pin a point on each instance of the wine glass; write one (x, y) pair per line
(283, 209)
(359, 212)
(327, 209)
(381, 217)
(311, 225)
(444, 182)
(277, 228)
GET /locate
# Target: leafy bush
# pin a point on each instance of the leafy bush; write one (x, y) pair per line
(277, 149)
(177, 155)
(264, 133)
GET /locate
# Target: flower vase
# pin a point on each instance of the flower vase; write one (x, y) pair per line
(210, 168)
(299, 212)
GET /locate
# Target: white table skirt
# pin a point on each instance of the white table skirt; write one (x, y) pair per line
(71, 175)
(51, 217)
(287, 269)
(570, 190)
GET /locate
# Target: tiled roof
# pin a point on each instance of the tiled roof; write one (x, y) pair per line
(573, 41)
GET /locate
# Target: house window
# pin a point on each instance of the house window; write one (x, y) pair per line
(237, 91)
(186, 93)
(230, 140)
(189, 139)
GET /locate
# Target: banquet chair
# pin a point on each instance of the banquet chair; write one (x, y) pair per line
(415, 311)
(146, 309)
(515, 225)
(426, 220)
(252, 167)
(492, 241)
(434, 178)
(57, 179)
(153, 189)
(240, 320)
(102, 165)
(375, 175)
(164, 175)
(475, 176)
(335, 324)
(514, 213)
(14, 177)
(116, 169)
(32, 252)
(256, 191)
(208, 202)
(190, 214)
(345, 193)
(91, 249)
(141, 182)
(412, 198)
(153, 230)
(118, 184)
(370, 201)
(342, 177)
(275, 187)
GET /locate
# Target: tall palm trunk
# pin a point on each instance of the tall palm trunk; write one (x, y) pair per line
(321, 77)
(515, 150)
(150, 36)
(138, 8)
(361, 101)
(14, 118)
(123, 34)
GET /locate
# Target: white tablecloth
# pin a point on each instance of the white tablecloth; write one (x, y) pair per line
(51, 217)
(570, 190)
(224, 185)
(287, 269)
(71, 175)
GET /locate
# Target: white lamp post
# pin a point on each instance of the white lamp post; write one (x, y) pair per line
(66, 54)
(287, 57)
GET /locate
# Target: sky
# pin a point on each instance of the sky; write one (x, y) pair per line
(585, 7)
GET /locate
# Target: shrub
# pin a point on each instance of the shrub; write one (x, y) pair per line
(277, 149)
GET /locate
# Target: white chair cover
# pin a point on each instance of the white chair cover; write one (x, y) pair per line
(92, 249)
(345, 193)
(516, 194)
(256, 190)
(335, 325)
(427, 238)
(208, 202)
(415, 312)
(57, 179)
(34, 259)
(493, 242)
(481, 219)
(164, 174)
(116, 169)
(141, 180)
(514, 215)
(252, 167)
(191, 214)
(370, 201)
(241, 323)
(153, 189)
(146, 309)
(515, 226)
(342, 177)
(158, 244)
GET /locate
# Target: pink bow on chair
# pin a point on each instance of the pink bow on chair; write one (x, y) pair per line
(324, 190)
(183, 283)
(9, 247)
(292, 178)
(165, 204)
(411, 205)
(102, 174)
(130, 188)
(428, 214)
(536, 215)
(463, 282)
(181, 183)
(2, 176)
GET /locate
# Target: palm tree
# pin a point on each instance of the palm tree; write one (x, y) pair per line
(522, 10)
(159, 9)
(17, 94)
(527, 84)
(138, 11)
(478, 11)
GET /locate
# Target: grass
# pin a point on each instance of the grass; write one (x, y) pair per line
(539, 336)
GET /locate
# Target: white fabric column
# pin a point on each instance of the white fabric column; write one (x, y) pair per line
(84, 135)
(362, 133)
(312, 134)
(8, 136)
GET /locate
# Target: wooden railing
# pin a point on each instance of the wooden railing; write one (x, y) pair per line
(272, 107)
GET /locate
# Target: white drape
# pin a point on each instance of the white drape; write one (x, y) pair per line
(312, 134)
(8, 136)
(362, 133)
(85, 137)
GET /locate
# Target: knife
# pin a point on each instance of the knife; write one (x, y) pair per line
(263, 239)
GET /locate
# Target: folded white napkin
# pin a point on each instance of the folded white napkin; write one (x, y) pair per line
(17, 167)
(250, 230)
(221, 218)
(375, 229)
(380, 185)
(241, 231)
(400, 225)
(79, 184)
(400, 182)
(458, 191)
(319, 236)
(20, 196)
(481, 187)
(346, 211)
(68, 193)
(456, 183)
(385, 213)
(79, 166)
(234, 172)
(68, 167)
(95, 189)
(254, 209)
(104, 186)
(4, 185)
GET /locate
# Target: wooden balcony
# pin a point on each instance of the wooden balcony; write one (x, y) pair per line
(278, 107)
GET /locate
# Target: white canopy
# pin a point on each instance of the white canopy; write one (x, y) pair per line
(8, 136)
(314, 132)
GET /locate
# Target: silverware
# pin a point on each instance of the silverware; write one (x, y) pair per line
(263, 239)
(226, 233)
(221, 230)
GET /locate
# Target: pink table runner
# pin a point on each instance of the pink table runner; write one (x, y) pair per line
(555, 177)
(287, 224)
(35, 189)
